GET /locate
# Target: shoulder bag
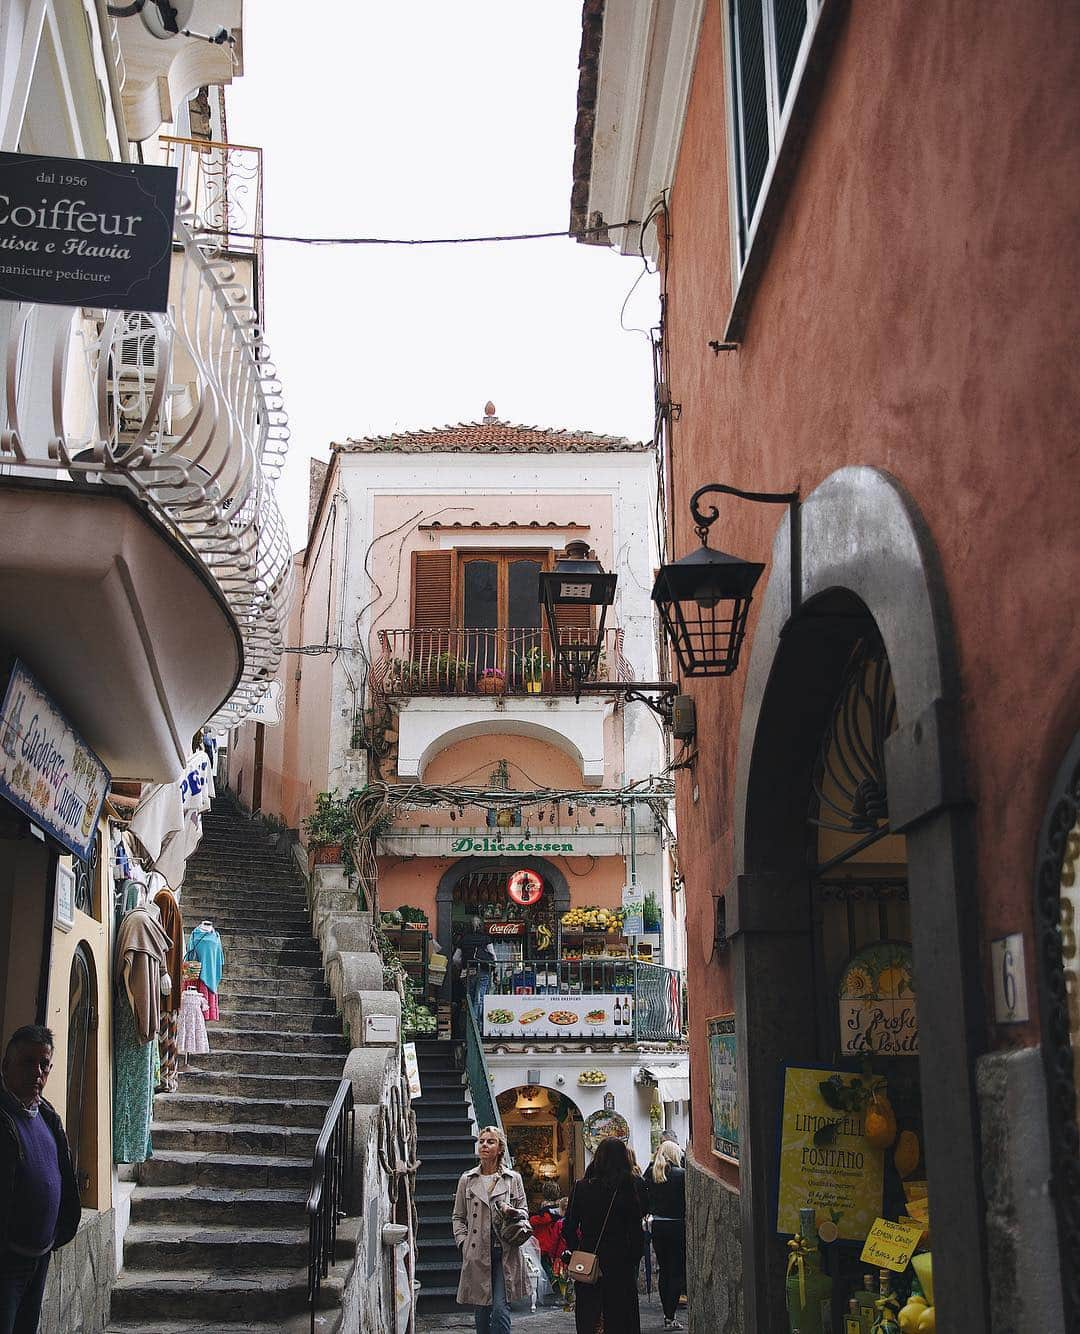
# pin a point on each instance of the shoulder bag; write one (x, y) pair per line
(584, 1266)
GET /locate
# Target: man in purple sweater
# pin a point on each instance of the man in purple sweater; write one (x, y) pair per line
(39, 1196)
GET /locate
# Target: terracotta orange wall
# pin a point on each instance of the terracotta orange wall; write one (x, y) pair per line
(918, 314)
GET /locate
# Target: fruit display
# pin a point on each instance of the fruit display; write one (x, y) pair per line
(880, 1121)
(592, 919)
(912, 1312)
(592, 1077)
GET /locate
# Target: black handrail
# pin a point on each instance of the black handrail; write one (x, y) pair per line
(331, 1188)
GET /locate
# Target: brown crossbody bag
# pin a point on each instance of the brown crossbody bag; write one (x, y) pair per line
(584, 1266)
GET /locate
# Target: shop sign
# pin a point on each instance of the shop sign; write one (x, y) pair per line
(64, 903)
(837, 1173)
(605, 1016)
(499, 846)
(891, 1245)
(412, 1069)
(505, 928)
(877, 1007)
(46, 769)
(723, 1087)
(74, 232)
(267, 710)
(605, 1125)
(633, 905)
(524, 887)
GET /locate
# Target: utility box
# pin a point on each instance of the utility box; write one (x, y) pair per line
(380, 1030)
(683, 718)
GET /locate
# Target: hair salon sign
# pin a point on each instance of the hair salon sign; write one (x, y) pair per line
(79, 233)
(46, 769)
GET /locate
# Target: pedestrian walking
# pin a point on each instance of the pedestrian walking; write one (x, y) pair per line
(604, 1217)
(39, 1196)
(490, 1224)
(665, 1182)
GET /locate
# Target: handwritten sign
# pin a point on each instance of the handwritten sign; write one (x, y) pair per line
(877, 1009)
(891, 1245)
(825, 1160)
(46, 769)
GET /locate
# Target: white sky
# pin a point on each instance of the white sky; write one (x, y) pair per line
(428, 118)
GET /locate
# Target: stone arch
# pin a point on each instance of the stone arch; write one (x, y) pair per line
(866, 557)
(444, 894)
(496, 725)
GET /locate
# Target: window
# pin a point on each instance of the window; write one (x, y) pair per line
(767, 44)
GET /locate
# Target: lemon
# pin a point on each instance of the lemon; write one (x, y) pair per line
(927, 1324)
(912, 1313)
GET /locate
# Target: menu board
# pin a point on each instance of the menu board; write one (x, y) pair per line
(608, 1016)
(833, 1170)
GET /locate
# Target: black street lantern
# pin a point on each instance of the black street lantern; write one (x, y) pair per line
(578, 583)
(704, 598)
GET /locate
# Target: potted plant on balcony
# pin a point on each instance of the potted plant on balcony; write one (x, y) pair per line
(491, 681)
(651, 913)
(533, 665)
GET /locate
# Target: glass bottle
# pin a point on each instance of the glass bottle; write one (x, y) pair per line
(853, 1320)
(809, 1298)
(867, 1299)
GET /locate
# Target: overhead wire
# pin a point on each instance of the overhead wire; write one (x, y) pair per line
(415, 241)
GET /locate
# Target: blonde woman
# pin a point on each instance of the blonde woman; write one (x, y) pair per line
(492, 1275)
(665, 1181)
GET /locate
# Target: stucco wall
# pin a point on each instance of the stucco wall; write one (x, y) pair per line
(916, 315)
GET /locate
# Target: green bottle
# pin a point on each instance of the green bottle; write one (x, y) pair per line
(867, 1299)
(808, 1290)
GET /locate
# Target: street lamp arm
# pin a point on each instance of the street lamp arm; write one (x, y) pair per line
(704, 519)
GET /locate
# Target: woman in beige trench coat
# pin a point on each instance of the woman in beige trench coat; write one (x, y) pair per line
(489, 1280)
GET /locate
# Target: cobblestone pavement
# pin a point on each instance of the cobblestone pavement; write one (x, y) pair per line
(547, 1320)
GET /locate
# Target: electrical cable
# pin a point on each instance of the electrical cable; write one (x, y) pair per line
(413, 241)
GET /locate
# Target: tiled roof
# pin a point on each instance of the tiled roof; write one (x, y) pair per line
(492, 436)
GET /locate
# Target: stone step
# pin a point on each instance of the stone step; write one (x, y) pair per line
(266, 941)
(258, 972)
(162, 1247)
(225, 1083)
(286, 998)
(286, 988)
(218, 1298)
(235, 1139)
(225, 906)
(185, 1167)
(253, 1039)
(270, 957)
(218, 1206)
(259, 1062)
(326, 1322)
(281, 1021)
(232, 1110)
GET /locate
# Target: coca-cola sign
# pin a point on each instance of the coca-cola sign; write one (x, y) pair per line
(506, 928)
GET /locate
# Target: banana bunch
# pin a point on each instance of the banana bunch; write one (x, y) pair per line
(543, 937)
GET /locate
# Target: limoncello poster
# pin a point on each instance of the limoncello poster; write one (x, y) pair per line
(825, 1161)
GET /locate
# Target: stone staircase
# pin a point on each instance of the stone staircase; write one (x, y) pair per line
(218, 1233)
(446, 1147)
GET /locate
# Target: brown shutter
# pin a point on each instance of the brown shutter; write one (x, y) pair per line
(432, 598)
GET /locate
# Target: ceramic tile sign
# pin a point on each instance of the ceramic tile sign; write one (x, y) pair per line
(723, 1087)
(877, 1009)
(891, 1245)
(74, 232)
(825, 1161)
(46, 769)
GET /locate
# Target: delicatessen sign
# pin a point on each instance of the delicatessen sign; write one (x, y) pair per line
(558, 1016)
(46, 769)
(74, 232)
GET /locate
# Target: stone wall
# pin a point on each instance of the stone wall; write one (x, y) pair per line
(79, 1286)
(713, 1254)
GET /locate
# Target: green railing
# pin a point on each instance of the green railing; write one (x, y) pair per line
(485, 1106)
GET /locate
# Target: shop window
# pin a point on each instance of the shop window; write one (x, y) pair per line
(81, 1064)
(767, 47)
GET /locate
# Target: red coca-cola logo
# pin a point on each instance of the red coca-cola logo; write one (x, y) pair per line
(506, 928)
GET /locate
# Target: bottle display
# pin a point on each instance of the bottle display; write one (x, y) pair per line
(852, 1321)
(867, 1300)
(807, 1289)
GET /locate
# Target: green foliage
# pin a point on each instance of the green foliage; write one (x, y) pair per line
(651, 910)
(330, 822)
(533, 662)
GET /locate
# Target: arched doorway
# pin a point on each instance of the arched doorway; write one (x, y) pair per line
(869, 576)
(81, 1111)
(544, 1130)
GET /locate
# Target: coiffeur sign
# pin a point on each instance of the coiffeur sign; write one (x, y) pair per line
(46, 769)
(80, 233)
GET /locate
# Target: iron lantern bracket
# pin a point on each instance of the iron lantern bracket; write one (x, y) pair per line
(704, 520)
(658, 696)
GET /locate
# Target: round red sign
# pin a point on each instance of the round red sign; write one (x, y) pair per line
(525, 887)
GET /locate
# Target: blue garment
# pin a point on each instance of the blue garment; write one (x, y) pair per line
(206, 947)
(494, 1319)
(22, 1286)
(37, 1187)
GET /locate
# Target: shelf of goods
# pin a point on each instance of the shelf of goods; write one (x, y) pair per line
(593, 947)
(412, 948)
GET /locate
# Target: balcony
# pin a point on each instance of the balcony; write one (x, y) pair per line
(416, 663)
(552, 1000)
(156, 442)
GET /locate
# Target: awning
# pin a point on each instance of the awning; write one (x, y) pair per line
(673, 1080)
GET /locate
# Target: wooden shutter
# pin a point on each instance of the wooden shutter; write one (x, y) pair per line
(432, 590)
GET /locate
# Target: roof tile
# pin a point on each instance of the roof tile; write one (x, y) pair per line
(492, 436)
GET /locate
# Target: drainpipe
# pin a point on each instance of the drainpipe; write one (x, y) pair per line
(115, 94)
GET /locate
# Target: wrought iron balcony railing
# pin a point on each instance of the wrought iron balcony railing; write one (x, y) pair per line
(184, 410)
(485, 662)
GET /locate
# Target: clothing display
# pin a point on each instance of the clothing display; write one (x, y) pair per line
(204, 947)
(172, 923)
(141, 955)
(158, 817)
(191, 1036)
(211, 998)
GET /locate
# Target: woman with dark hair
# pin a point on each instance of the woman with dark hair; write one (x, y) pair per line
(604, 1217)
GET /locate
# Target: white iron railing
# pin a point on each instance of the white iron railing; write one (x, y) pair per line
(185, 410)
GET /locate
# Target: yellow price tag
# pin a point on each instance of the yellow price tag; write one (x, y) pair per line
(890, 1245)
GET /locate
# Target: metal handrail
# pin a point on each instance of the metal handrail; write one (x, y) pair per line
(331, 1182)
(476, 1069)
